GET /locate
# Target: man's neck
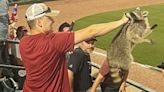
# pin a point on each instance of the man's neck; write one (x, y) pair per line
(36, 31)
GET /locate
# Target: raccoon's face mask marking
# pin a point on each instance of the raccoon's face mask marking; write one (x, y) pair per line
(139, 27)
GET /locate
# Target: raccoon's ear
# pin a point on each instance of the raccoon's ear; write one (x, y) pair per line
(138, 8)
(145, 13)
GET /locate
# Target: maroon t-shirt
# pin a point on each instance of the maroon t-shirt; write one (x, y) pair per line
(44, 59)
(104, 70)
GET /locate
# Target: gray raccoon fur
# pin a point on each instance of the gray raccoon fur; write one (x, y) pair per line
(119, 53)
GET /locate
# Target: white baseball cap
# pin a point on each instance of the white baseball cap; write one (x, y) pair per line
(38, 10)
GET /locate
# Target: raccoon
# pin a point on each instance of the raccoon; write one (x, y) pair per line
(119, 53)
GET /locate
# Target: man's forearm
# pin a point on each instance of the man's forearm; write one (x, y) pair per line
(96, 83)
(71, 79)
(106, 27)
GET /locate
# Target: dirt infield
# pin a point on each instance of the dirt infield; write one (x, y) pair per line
(74, 9)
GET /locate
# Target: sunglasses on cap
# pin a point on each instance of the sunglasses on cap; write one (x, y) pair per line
(46, 11)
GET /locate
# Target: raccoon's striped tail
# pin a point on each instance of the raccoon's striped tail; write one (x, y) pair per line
(115, 74)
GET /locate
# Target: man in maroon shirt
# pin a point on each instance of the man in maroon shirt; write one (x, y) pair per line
(43, 51)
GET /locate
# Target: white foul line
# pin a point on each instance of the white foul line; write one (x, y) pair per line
(142, 65)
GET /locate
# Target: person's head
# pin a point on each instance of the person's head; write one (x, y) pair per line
(88, 45)
(15, 5)
(65, 27)
(20, 32)
(39, 17)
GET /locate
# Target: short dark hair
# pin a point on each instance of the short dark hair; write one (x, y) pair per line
(63, 25)
(21, 31)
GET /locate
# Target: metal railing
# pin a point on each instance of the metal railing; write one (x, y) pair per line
(131, 82)
(20, 2)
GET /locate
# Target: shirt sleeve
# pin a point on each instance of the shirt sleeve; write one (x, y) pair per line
(75, 61)
(104, 68)
(65, 41)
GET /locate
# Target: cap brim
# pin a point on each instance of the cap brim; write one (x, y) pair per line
(53, 13)
(93, 39)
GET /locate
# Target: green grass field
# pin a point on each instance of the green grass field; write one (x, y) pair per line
(143, 53)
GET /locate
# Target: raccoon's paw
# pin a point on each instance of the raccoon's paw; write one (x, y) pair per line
(151, 41)
(154, 26)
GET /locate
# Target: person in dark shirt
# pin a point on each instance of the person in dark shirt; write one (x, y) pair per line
(4, 22)
(79, 69)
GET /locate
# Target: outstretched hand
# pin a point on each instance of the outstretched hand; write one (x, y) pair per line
(125, 18)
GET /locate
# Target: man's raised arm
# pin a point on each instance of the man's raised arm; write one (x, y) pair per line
(96, 30)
